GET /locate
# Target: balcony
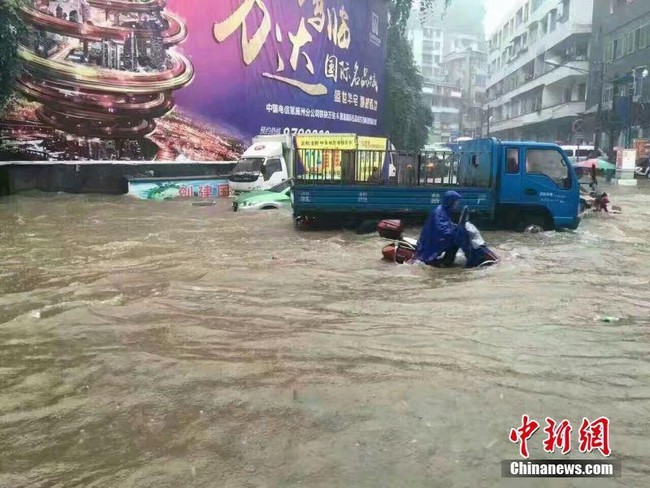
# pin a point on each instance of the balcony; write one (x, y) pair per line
(539, 47)
(549, 78)
(570, 109)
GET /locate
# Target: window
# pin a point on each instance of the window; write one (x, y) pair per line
(512, 161)
(550, 163)
(567, 95)
(427, 45)
(249, 165)
(553, 19)
(618, 48)
(609, 52)
(272, 166)
(428, 33)
(582, 92)
(643, 36)
(638, 81)
(566, 10)
(631, 42)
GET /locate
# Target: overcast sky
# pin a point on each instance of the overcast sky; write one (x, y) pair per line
(496, 11)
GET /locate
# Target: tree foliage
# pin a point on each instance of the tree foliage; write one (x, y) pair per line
(400, 10)
(407, 116)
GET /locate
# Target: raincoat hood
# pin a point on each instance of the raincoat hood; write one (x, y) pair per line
(450, 198)
(439, 232)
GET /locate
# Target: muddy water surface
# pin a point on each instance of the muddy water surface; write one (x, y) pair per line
(165, 345)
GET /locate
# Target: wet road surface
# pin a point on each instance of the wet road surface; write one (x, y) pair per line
(167, 345)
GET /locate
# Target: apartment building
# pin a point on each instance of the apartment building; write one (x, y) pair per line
(450, 49)
(621, 49)
(466, 67)
(538, 65)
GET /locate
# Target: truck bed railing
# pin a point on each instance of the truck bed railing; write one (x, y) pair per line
(393, 168)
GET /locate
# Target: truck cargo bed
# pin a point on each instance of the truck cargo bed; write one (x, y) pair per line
(367, 201)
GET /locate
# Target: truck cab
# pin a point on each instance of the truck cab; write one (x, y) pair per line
(536, 185)
(263, 165)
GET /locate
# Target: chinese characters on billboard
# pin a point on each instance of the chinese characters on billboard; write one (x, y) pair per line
(191, 80)
(204, 189)
(293, 65)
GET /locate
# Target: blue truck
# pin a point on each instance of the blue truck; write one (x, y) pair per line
(506, 185)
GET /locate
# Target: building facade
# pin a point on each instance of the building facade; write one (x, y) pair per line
(618, 105)
(466, 66)
(539, 71)
(450, 49)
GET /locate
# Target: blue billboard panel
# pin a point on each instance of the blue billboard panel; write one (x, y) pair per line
(274, 66)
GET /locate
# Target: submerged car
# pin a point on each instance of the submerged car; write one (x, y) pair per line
(278, 196)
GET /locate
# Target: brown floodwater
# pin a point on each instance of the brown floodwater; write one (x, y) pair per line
(161, 345)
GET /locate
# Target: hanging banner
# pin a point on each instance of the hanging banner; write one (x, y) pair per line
(337, 156)
(372, 143)
(340, 142)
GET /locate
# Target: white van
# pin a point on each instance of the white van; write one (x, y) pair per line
(264, 164)
(581, 153)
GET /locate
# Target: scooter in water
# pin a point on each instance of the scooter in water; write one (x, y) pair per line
(642, 171)
(403, 249)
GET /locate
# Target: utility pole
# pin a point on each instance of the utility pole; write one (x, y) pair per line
(599, 114)
(630, 104)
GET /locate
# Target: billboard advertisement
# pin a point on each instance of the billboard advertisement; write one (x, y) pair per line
(191, 80)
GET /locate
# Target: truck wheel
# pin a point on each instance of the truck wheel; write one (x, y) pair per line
(367, 227)
(583, 205)
(300, 223)
(532, 221)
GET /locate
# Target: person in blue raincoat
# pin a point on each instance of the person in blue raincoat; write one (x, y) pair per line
(440, 234)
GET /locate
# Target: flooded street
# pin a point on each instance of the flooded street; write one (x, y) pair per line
(165, 345)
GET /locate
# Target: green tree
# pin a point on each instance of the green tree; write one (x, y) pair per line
(408, 118)
(11, 29)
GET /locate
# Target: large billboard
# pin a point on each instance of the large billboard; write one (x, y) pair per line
(184, 80)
